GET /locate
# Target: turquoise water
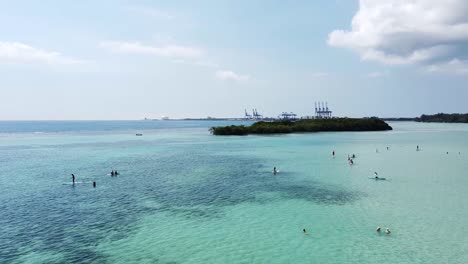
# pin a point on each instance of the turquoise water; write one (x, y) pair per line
(184, 196)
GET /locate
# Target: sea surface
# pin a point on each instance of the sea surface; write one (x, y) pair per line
(185, 196)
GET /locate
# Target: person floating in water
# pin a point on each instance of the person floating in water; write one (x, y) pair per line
(349, 157)
(116, 173)
(275, 170)
(387, 231)
(353, 156)
(112, 173)
(417, 148)
(333, 153)
(378, 229)
(73, 178)
(94, 184)
(376, 175)
(387, 148)
(305, 231)
(351, 162)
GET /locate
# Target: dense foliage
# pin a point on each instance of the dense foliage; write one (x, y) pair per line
(444, 118)
(309, 125)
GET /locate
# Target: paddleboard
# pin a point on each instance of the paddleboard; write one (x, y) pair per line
(379, 178)
(70, 183)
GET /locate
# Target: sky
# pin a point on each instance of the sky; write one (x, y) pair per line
(111, 60)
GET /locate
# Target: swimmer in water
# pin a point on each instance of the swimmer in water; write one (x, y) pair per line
(94, 184)
(387, 231)
(378, 229)
(333, 153)
(73, 178)
(305, 231)
(112, 173)
(274, 170)
(417, 148)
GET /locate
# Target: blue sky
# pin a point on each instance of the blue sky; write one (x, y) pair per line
(133, 59)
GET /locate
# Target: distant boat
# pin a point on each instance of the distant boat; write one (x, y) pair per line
(164, 118)
(139, 134)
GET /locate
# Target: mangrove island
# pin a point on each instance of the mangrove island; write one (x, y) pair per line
(304, 125)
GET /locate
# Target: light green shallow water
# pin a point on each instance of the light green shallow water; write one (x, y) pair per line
(187, 197)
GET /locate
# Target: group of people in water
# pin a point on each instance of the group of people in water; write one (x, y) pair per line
(350, 158)
(113, 173)
(376, 176)
(387, 230)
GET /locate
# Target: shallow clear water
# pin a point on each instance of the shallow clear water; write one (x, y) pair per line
(185, 196)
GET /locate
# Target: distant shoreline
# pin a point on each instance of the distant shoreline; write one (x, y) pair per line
(436, 118)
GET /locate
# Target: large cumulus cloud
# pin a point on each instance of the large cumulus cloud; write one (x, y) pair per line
(432, 33)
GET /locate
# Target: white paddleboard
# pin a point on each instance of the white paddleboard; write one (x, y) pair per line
(71, 183)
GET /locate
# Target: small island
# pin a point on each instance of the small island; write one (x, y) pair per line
(306, 125)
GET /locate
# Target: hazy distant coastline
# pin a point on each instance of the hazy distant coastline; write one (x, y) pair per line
(436, 118)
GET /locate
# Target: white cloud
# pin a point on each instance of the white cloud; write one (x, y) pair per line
(454, 66)
(179, 54)
(230, 75)
(407, 32)
(172, 51)
(17, 52)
